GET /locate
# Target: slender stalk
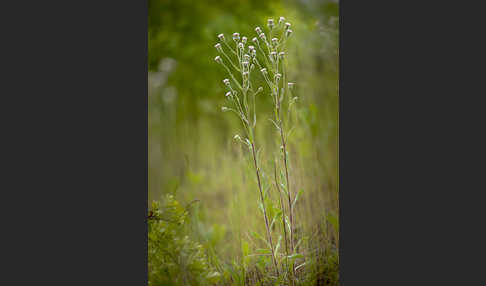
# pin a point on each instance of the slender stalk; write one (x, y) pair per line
(289, 194)
(244, 108)
(283, 216)
(264, 208)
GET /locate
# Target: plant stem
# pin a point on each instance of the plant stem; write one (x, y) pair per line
(289, 194)
(283, 215)
(264, 208)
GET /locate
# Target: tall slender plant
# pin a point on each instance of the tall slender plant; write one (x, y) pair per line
(269, 57)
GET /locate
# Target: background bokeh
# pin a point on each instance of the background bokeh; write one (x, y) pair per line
(191, 151)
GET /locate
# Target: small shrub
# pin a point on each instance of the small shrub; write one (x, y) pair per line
(173, 258)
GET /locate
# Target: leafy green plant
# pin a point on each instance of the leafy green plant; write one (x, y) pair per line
(173, 258)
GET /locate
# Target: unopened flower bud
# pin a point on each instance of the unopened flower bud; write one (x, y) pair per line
(228, 94)
(218, 59)
(281, 20)
(273, 56)
(218, 47)
(281, 55)
(288, 33)
(264, 71)
(258, 30)
(277, 77)
(260, 89)
(237, 137)
(224, 108)
(255, 40)
(240, 46)
(244, 39)
(226, 82)
(236, 37)
(221, 37)
(291, 85)
(270, 24)
(252, 50)
(287, 26)
(262, 36)
(246, 57)
(245, 74)
(275, 41)
(245, 65)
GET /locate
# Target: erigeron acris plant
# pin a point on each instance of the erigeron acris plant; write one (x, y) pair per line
(244, 60)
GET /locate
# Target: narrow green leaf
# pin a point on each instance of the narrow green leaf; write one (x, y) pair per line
(299, 242)
(258, 236)
(278, 243)
(273, 222)
(295, 256)
(263, 251)
(260, 205)
(214, 277)
(297, 197)
(276, 218)
(288, 224)
(297, 268)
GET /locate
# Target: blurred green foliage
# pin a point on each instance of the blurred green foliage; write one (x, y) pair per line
(173, 258)
(191, 152)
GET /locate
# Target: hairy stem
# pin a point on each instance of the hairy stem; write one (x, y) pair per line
(289, 194)
(283, 215)
(264, 208)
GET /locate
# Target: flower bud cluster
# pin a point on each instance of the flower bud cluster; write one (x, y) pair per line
(268, 58)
